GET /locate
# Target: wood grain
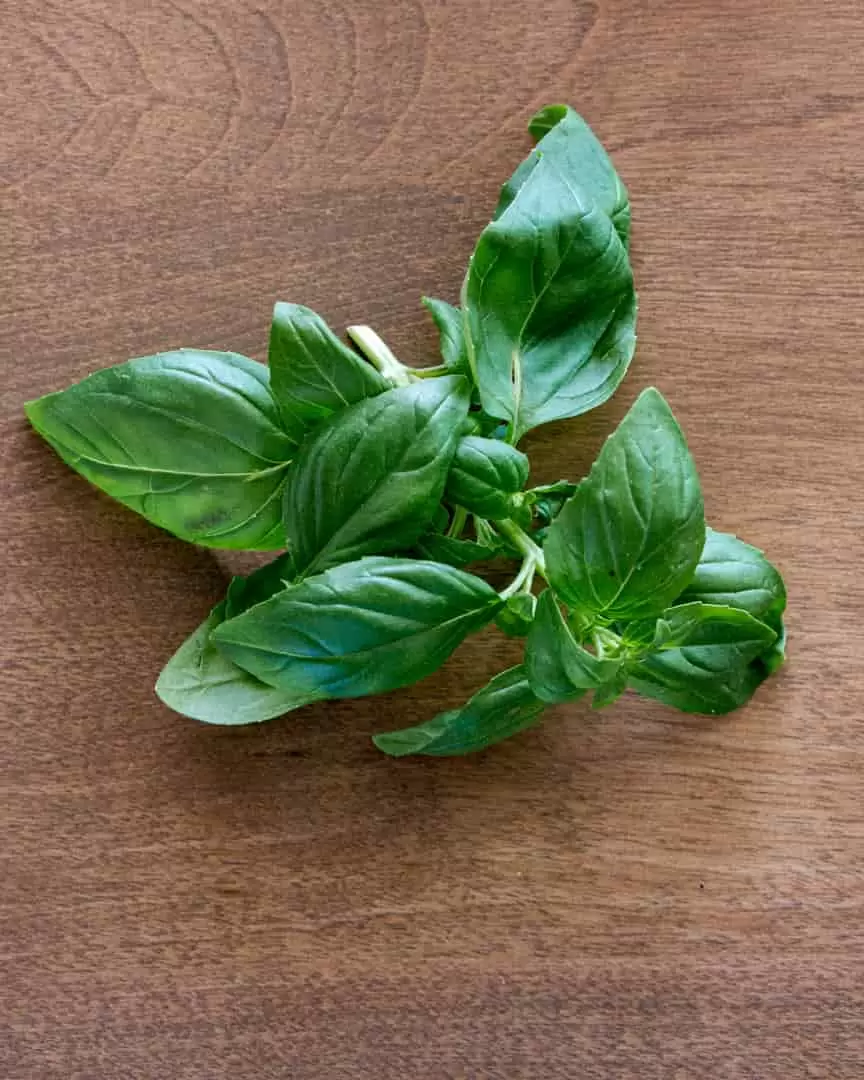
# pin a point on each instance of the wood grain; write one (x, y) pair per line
(632, 895)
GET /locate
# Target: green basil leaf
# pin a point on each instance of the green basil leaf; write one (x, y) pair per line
(517, 615)
(448, 319)
(190, 440)
(628, 542)
(312, 373)
(547, 500)
(485, 475)
(453, 551)
(260, 585)
(200, 682)
(504, 707)
(558, 668)
(563, 135)
(361, 628)
(729, 634)
(609, 692)
(548, 304)
(370, 479)
(738, 575)
(707, 659)
(715, 695)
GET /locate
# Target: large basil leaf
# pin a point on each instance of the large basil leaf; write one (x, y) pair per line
(312, 373)
(563, 135)
(448, 319)
(370, 479)
(361, 628)
(707, 658)
(485, 475)
(628, 542)
(738, 575)
(558, 668)
(201, 682)
(190, 440)
(548, 304)
(504, 707)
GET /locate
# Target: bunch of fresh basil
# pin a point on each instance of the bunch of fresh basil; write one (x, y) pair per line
(381, 482)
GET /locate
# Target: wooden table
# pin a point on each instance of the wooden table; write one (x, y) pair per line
(624, 895)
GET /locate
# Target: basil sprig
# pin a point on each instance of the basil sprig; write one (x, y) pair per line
(384, 482)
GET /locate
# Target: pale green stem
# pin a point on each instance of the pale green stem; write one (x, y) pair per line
(523, 580)
(460, 516)
(430, 372)
(606, 642)
(523, 542)
(379, 354)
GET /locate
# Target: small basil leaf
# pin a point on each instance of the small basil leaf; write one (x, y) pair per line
(736, 574)
(724, 635)
(453, 551)
(547, 500)
(517, 615)
(627, 543)
(610, 691)
(561, 133)
(260, 585)
(504, 707)
(448, 319)
(558, 668)
(370, 479)
(312, 373)
(485, 475)
(361, 628)
(200, 682)
(190, 440)
(707, 660)
(548, 303)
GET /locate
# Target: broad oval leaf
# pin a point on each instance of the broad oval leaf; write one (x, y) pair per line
(201, 682)
(738, 575)
(504, 707)
(628, 541)
(312, 373)
(549, 307)
(485, 475)
(370, 479)
(190, 440)
(557, 666)
(707, 659)
(361, 628)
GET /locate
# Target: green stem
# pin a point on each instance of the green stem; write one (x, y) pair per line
(460, 516)
(523, 543)
(379, 354)
(430, 372)
(523, 580)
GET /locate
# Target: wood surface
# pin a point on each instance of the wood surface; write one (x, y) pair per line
(627, 895)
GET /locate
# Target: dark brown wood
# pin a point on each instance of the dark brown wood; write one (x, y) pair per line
(630, 895)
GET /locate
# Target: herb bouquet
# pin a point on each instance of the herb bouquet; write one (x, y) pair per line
(380, 483)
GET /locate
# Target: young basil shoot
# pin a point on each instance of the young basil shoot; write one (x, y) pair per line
(381, 482)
